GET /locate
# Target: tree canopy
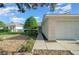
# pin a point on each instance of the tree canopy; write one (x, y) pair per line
(31, 23)
(2, 24)
(24, 6)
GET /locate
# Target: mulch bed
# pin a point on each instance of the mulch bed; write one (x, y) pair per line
(51, 52)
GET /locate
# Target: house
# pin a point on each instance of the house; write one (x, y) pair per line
(55, 27)
(1, 27)
(15, 27)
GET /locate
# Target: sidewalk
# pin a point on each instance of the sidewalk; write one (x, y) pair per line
(40, 43)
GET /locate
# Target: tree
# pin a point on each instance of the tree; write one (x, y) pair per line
(2, 24)
(31, 26)
(31, 23)
(4, 29)
(24, 6)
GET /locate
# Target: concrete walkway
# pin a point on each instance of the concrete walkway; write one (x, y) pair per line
(40, 43)
(59, 45)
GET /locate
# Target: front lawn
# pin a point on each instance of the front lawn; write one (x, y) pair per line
(10, 33)
(12, 42)
(4, 37)
(26, 46)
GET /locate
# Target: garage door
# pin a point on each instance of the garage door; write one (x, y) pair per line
(67, 30)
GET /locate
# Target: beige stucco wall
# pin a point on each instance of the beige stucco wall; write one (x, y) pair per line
(67, 30)
(51, 30)
(45, 28)
(61, 27)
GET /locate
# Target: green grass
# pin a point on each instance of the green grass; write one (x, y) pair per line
(27, 46)
(9, 33)
(4, 35)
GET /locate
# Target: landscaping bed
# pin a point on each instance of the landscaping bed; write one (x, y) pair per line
(51, 52)
(12, 43)
(16, 43)
(27, 46)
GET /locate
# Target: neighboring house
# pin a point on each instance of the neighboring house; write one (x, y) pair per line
(1, 27)
(60, 27)
(15, 27)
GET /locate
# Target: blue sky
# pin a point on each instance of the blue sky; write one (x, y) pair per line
(10, 13)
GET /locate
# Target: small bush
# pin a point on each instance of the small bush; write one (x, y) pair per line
(27, 46)
(31, 33)
(6, 30)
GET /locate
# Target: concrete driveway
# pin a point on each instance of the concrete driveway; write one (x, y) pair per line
(60, 47)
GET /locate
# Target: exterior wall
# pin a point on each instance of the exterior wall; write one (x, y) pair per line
(51, 30)
(61, 27)
(45, 29)
(67, 30)
(63, 30)
(1, 28)
(12, 28)
(18, 29)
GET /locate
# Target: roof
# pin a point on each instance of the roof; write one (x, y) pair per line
(61, 17)
(15, 24)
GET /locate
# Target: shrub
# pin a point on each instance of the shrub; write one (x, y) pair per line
(27, 46)
(32, 33)
(6, 30)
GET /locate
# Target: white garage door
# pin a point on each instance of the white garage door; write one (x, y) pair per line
(67, 30)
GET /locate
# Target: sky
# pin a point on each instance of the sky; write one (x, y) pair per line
(10, 14)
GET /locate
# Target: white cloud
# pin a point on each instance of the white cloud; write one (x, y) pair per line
(67, 7)
(5, 11)
(60, 3)
(36, 17)
(17, 19)
(56, 8)
(61, 10)
(11, 8)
